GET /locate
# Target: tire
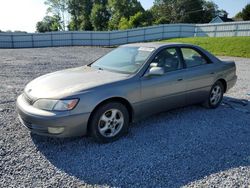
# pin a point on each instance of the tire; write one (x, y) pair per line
(109, 122)
(215, 96)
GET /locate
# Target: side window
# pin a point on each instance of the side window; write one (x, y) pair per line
(192, 58)
(167, 59)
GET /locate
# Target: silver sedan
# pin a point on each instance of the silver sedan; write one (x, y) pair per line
(131, 82)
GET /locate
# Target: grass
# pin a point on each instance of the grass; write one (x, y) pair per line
(221, 46)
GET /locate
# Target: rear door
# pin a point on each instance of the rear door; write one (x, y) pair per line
(200, 73)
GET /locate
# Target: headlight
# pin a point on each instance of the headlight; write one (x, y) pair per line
(57, 105)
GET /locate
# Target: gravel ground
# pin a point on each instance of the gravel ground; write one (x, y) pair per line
(191, 146)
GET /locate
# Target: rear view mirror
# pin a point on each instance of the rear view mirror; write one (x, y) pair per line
(155, 71)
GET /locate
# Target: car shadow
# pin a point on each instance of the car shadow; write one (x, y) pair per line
(170, 149)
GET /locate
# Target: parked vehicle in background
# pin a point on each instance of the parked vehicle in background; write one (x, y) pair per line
(127, 84)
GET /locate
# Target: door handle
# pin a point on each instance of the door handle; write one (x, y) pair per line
(212, 73)
(180, 79)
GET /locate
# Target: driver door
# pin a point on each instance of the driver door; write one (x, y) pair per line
(165, 91)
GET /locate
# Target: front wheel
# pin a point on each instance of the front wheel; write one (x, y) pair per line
(215, 95)
(109, 122)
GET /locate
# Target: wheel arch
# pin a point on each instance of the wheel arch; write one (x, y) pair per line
(121, 100)
(224, 83)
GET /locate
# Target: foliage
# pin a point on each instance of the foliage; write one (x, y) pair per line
(222, 46)
(188, 11)
(183, 11)
(124, 14)
(58, 8)
(140, 19)
(124, 24)
(122, 9)
(80, 11)
(210, 11)
(246, 12)
(238, 16)
(100, 16)
(49, 23)
(75, 9)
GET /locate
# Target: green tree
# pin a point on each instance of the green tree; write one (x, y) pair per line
(189, 11)
(100, 15)
(122, 8)
(246, 12)
(238, 16)
(75, 10)
(140, 19)
(60, 9)
(210, 10)
(124, 24)
(80, 11)
(49, 23)
(163, 11)
(183, 11)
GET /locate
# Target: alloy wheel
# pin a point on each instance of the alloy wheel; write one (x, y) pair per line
(111, 123)
(216, 95)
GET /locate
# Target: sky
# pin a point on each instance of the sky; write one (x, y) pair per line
(24, 14)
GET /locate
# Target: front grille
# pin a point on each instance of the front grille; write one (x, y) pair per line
(28, 99)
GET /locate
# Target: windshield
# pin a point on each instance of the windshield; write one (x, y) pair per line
(124, 59)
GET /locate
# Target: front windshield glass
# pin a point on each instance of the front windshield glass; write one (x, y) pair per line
(124, 59)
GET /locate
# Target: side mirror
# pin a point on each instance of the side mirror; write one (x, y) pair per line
(155, 71)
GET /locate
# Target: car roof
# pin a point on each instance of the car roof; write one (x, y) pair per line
(156, 44)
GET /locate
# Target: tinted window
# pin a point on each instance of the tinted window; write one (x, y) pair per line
(192, 58)
(167, 59)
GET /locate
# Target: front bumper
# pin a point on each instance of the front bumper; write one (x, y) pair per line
(40, 121)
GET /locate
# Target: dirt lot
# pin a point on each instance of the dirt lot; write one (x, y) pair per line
(191, 146)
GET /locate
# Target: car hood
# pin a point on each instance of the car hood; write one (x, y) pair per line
(70, 81)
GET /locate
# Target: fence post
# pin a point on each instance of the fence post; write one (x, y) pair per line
(195, 30)
(71, 37)
(12, 41)
(127, 36)
(215, 30)
(32, 40)
(162, 37)
(236, 29)
(144, 34)
(109, 37)
(51, 39)
(91, 39)
(180, 30)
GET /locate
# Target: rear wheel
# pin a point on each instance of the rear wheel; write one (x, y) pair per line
(109, 122)
(215, 96)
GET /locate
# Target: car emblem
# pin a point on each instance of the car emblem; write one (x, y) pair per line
(29, 90)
